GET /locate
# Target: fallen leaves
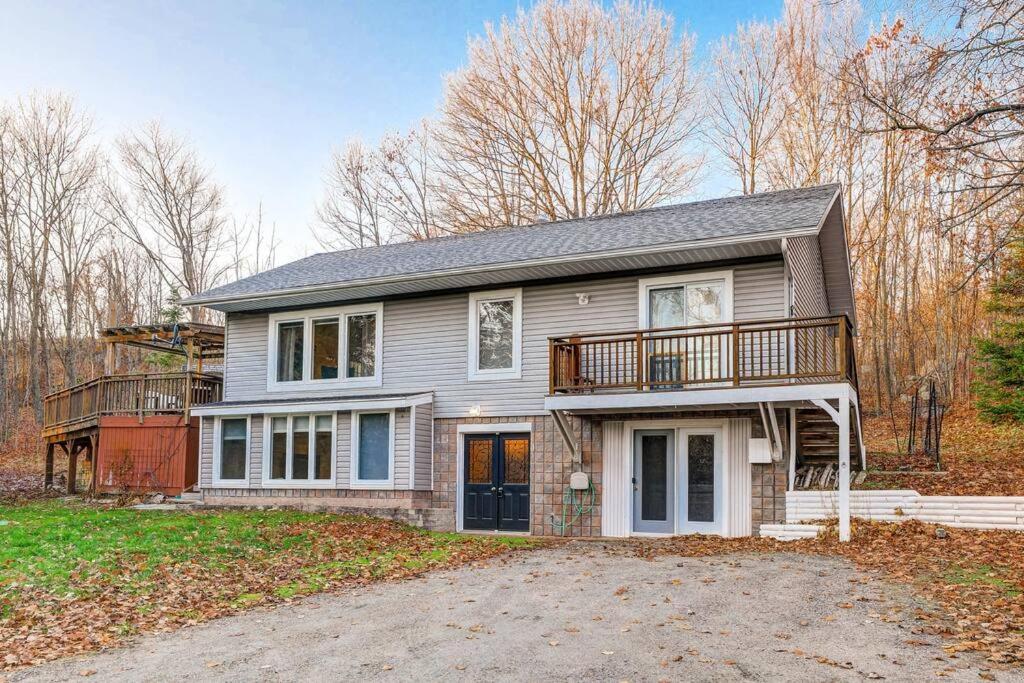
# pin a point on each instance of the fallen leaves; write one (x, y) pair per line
(973, 578)
(111, 595)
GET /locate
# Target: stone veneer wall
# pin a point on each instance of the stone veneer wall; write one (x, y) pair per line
(550, 466)
(768, 497)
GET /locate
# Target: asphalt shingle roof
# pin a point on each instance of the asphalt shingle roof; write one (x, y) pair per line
(669, 225)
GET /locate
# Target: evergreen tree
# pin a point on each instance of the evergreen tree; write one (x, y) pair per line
(999, 390)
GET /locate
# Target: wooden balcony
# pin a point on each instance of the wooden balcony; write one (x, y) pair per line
(80, 407)
(742, 354)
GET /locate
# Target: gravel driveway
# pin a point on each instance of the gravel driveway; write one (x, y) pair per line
(574, 611)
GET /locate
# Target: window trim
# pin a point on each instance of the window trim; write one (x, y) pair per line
(475, 299)
(354, 481)
(268, 451)
(685, 279)
(218, 432)
(308, 318)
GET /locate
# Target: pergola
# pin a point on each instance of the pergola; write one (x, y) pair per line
(195, 341)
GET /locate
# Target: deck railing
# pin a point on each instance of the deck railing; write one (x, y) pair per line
(134, 394)
(755, 353)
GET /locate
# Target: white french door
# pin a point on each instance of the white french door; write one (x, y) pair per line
(700, 483)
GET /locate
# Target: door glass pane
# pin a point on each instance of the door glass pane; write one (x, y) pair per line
(278, 446)
(362, 345)
(325, 349)
(704, 303)
(478, 460)
(323, 454)
(289, 352)
(654, 477)
(517, 461)
(700, 473)
(374, 436)
(495, 332)
(667, 307)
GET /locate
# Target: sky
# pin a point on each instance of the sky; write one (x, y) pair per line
(265, 90)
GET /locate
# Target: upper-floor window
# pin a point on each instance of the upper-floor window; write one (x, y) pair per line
(325, 347)
(495, 334)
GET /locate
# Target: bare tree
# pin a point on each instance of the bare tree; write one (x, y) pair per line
(960, 85)
(350, 214)
(570, 109)
(167, 204)
(745, 99)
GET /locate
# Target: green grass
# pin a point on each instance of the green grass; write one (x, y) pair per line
(982, 574)
(60, 546)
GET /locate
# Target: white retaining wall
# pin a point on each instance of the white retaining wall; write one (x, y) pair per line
(789, 532)
(974, 512)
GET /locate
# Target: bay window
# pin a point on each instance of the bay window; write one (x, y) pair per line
(338, 346)
(300, 450)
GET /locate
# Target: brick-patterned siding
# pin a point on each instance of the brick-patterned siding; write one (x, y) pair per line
(768, 497)
(550, 467)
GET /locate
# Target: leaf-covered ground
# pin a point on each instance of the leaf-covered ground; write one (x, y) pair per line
(74, 577)
(979, 458)
(973, 579)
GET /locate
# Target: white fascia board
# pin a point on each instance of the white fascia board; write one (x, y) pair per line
(691, 397)
(552, 260)
(314, 406)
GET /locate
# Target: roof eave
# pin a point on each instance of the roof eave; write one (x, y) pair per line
(200, 300)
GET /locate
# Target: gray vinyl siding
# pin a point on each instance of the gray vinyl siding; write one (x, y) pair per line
(810, 298)
(343, 450)
(424, 447)
(426, 341)
(206, 453)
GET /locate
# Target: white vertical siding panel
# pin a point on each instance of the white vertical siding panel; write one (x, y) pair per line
(738, 478)
(616, 497)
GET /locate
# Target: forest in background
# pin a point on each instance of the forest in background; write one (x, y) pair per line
(569, 109)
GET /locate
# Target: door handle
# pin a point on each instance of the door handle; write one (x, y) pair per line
(493, 489)
(501, 491)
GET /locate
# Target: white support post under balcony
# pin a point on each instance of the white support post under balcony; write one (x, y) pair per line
(844, 468)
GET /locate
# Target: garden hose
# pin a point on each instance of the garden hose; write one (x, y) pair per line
(582, 506)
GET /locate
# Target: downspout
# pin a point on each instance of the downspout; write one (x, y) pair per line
(771, 429)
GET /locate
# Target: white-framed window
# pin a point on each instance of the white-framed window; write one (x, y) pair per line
(231, 452)
(495, 334)
(325, 347)
(686, 299)
(373, 449)
(299, 450)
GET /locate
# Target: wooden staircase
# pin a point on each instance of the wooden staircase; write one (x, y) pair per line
(818, 439)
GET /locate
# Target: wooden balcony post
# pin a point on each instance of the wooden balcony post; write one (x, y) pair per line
(142, 397)
(640, 361)
(841, 361)
(735, 355)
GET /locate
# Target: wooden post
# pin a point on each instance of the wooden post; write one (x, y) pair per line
(735, 355)
(841, 361)
(48, 476)
(639, 361)
(72, 468)
(142, 396)
(93, 461)
(844, 468)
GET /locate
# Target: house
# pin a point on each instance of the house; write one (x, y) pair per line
(688, 360)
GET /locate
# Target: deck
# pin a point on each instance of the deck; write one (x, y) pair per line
(741, 354)
(77, 410)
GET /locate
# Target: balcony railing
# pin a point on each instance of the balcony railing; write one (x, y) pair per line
(755, 353)
(136, 394)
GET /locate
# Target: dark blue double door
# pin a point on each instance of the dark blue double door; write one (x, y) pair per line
(496, 482)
